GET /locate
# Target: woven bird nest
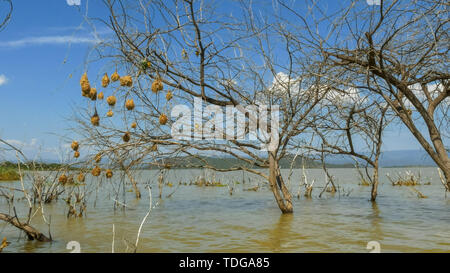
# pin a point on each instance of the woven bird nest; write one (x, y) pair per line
(62, 179)
(98, 158)
(85, 85)
(126, 81)
(109, 173)
(76, 154)
(111, 100)
(169, 96)
(95, 119)
(126, 137)
(81, 177)
(130, 104)
(110, 113)
(115, 76)
(134, 125)
(157, 85)
(93, 94)
(96, 171)
(105, 80)
(163, 119)
(75, 145)
(100, 96)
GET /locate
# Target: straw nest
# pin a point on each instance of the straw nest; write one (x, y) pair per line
(98, 158)
(111, 100)
(62, 179)
(109, 173)
(110, 113)
(115, 76)
(76, 154)
(81, 177)
(130, 104)
(126, 81)
(169, 96)
(100, 96)
(75, 145)
(96, 171)
(105, 80)
(154, 147)
(95, 120)
(163, 119)
(93, 94)
(157, 85)
(85, 85)
(126, 137)
(134, 125)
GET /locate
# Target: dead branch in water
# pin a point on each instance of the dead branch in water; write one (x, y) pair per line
(32, 233)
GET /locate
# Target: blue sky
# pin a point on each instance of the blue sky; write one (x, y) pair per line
(45, 43)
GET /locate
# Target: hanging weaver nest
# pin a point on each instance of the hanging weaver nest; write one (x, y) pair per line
(163, 119)
(126, 81)
(169, 96)
(130, 104)
(62, 179)
(111, 100)
(105, 80)
(134, 125)
(85, 85)
(115, 77)
(95, 119)
(75, 145)
(110, 113)
(96, 171)
(126, 137)
(100, 96)
(93, 94)
(98, 158)
(109, 173)
(81, 177)
(154, 147)
(157, 85)
(76, 154)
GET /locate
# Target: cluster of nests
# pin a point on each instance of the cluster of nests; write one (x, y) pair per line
(125, 81)
(91, 93)
(96, 171)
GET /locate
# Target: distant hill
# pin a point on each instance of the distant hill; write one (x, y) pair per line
(229, 162)
(393, 159)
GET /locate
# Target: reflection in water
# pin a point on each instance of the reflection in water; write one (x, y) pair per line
(376, 223)
(279, 234)
(208, 219)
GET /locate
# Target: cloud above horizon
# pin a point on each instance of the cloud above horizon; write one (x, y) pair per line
(3, 79)
(48, 40)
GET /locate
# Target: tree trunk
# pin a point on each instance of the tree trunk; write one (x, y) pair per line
(280, 191)
(32, 233)
(374, 191)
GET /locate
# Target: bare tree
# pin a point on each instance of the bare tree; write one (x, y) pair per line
(192, 53)
(397, 50)
(354, 127)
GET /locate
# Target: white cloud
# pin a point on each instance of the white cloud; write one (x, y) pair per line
(52, 40)
(3, 80)
(73, 2)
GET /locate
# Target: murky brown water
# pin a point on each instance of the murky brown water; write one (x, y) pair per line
(208, 219)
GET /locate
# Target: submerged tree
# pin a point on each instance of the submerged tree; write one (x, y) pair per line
(245, 69)
(397, 50)
(352, 125)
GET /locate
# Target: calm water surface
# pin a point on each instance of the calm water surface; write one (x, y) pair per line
(209, 219)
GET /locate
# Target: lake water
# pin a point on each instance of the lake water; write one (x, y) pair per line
(209, 219)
